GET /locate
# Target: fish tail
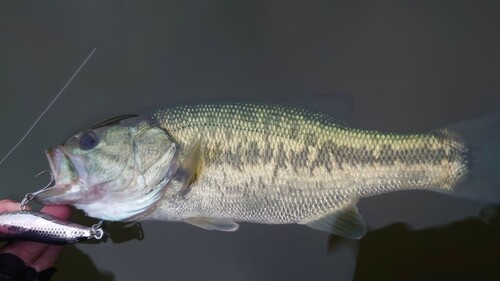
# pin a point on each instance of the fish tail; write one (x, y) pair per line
(482, 139)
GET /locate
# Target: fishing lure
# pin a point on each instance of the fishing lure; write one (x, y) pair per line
(35, 226)
(40, 227)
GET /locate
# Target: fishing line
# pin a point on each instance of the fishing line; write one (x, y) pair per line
(50, 104)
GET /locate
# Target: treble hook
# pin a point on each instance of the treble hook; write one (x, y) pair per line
(30, 196)
(97, 230)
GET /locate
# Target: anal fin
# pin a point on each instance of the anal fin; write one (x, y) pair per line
(345, 222)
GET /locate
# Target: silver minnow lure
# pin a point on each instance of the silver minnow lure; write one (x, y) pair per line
(40, 227)
(214, 165)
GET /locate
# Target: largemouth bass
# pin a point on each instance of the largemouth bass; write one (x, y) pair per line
(214, 165)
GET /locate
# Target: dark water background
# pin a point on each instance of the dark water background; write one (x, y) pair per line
(408, 66)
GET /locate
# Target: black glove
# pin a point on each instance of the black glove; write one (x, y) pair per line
(13, 268)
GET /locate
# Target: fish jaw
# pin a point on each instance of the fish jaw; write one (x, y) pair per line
(67, 188)
(71, 186)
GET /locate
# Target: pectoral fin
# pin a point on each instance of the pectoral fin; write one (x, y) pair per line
(190, 168)
(220, 224)
(346, 222)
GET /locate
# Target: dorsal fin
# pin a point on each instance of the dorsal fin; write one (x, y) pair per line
(337, 106)
(111, 121)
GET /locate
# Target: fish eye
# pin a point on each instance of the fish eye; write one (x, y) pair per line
(88, 140)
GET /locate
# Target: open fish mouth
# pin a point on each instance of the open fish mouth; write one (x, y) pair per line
(61, 179)
(54, 156)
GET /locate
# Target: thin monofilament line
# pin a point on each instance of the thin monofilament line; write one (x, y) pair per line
(50, 105)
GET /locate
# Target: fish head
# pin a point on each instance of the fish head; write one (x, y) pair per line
(114, 171)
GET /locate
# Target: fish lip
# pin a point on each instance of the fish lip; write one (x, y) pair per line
(54, 157)
(46, 196)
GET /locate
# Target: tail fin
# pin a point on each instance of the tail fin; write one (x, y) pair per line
(482, 137)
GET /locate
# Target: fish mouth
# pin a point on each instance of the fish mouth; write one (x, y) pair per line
(54, 156)
(52, 195)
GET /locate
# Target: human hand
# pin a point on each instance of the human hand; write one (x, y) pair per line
(35, 255)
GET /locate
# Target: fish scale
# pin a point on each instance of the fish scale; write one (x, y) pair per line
(276, 164)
